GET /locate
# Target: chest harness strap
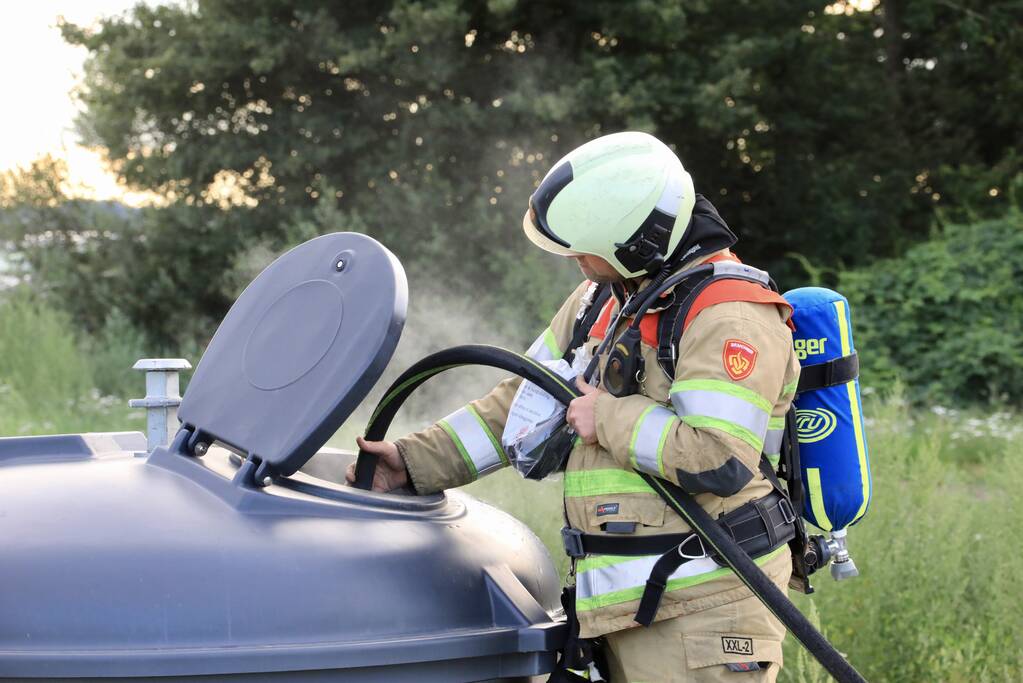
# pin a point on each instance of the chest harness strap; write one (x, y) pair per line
(758, 526)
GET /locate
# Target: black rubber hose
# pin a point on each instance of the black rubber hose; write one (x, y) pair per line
(472, 354)
(736, 558)
(755, 579)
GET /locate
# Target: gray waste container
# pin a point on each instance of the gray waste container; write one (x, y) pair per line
(214, 558)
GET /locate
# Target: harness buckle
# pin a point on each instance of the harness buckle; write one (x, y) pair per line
(788, 515)
(682, 545)
(572, 541)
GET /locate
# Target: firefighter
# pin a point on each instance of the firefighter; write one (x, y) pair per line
(624, 208)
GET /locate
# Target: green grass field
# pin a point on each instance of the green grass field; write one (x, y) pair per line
(937, 597)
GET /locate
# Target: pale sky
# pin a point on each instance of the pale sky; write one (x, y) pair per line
(38, 70)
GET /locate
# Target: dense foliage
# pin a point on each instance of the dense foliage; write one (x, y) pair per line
(947, 316)
(817, 129)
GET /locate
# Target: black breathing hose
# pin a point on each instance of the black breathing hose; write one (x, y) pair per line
(472, 354)
(684, 504)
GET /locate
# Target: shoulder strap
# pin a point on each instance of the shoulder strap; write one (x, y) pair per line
(751, 285)
(672, 318)
(589, 311)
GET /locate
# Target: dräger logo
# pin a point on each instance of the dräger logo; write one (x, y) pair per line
(737, 646)
(815, 424)
(808, 347)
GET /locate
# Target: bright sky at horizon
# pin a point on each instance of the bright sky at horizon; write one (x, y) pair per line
(38, 74)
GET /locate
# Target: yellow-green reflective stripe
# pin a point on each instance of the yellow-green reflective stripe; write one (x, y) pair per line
(660, 444)
(551, 342)
(600, 561)
(790, 388)
(738, 431)
(723, 387)
(813, 486)
(636, 592)
(461, 449)
(582, 483)
(544, 347)
(776, 423)
(490, 435)
(411, 380)
(774, 459)
(555, 377)
(854, 407)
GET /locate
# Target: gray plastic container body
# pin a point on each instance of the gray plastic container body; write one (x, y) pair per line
(116, 566)
(119, 566)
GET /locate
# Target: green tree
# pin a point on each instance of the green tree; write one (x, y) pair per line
(816, 128)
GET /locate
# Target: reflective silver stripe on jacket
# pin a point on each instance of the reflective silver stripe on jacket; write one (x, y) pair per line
(473, 441)
(772, 442)
(648, 437)
(722, 407)
(626, 576)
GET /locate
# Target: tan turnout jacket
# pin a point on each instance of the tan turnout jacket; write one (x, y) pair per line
(734, 380)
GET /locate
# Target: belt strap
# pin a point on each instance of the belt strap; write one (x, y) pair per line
(577, 544)
(829, 373)
(758, 526)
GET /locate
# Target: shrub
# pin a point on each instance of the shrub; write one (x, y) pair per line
(948, 316)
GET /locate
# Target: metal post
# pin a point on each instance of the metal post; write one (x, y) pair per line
(162, 398)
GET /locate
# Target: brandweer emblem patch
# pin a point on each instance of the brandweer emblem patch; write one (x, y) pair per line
(739, 358)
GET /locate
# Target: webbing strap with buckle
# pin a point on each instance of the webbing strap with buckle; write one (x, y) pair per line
(758, 527)
(578, 544)
(829, 373)
(665, 566)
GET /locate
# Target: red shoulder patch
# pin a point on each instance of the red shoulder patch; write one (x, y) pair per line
(739, 358)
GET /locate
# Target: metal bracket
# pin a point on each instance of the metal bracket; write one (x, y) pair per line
(162, 398)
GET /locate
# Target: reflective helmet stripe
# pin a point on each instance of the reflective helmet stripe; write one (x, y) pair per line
(540, 201)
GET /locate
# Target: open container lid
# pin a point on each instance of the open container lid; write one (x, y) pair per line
(299, 350)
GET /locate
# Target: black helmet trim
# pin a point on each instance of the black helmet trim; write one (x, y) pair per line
(540, 202)
(648, 246)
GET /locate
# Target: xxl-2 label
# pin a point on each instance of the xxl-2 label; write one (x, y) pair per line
(809, 347)
(737, 646)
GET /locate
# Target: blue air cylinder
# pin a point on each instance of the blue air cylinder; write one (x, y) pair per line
(829, 419)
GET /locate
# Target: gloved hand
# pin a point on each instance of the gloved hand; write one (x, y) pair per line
(390, 471)
(582, 412)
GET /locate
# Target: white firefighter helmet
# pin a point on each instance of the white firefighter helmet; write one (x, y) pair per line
(624, 197)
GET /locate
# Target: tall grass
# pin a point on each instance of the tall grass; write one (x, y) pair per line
(49, 377)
